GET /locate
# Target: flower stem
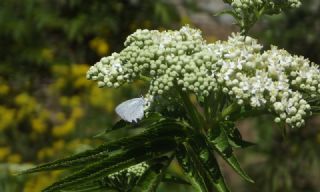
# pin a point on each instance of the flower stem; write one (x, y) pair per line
(195, 118)
(229, 110)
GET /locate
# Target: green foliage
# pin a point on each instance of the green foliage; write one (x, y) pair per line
(161, 139)
(194, 135)
(247, 13)
(301, 29)
(45, 46)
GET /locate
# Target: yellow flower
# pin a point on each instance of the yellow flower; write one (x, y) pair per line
(102, 98)
(41, 154)
(77, 113)
(58, 145)
(45, 153)
(79, 70)
(60, 117)
(82, 82)
(39, 182)
(74, 144)
(99, 45)
(60, 69)
(4, 89)
(64, 101)
(318, 138)
(64, 129)
(38, 125)
(47, 53)
(4, 152)
(49, 152)
(6, 117)
(26, 103)
(58, 84)
(22, 99)
(14, 158)
(75, 101)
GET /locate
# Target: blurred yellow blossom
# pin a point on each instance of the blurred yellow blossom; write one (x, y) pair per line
(58, 145)
(42, 180)
(75, 144)
(77, 112)
(60, 117)
(38, 125)
(4, 89)
(6, 117)
(26, 103)
(75, 101)
(59, 84)
(41, 154)
(47, 53)
(318, 138)
(79, 70)
(81, 82)
(4, 152)
(45, 153)
(99, 45)
(14, 158)
(63, 101)
(23, 98)
(64, 129)
(60, 69)
(102, 98)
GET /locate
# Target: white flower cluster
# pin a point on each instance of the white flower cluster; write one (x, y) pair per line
(273, 80)
(247, 5)
(133, 171)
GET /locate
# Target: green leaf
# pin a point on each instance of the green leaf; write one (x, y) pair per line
(219, 142)
(115, 163)
(169, 178)
(236, 141)
(146, 122)
(203, 148)
(209, 178)
(163, 128)
(153, 176)
(198, 171)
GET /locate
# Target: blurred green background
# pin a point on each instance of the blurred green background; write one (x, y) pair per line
(48, 109)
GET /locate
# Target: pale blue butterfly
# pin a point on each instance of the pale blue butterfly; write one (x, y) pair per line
(131, 110)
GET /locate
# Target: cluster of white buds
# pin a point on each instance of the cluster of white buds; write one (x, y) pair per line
(272, 5)
(272, 80)
(133, 171)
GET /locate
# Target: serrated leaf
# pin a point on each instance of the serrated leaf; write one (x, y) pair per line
(146, 122)
(115, 163)
(168, 178)
(209, 178)
(163, 128)
(219, 142)
(198, 171)
(152, 177)
(202, 147)
(236, 141)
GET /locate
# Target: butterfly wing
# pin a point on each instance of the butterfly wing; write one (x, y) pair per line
(131, 110)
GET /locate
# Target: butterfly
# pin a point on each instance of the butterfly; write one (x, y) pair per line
(131, 110)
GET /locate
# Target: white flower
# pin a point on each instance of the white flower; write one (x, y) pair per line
(274, 79)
